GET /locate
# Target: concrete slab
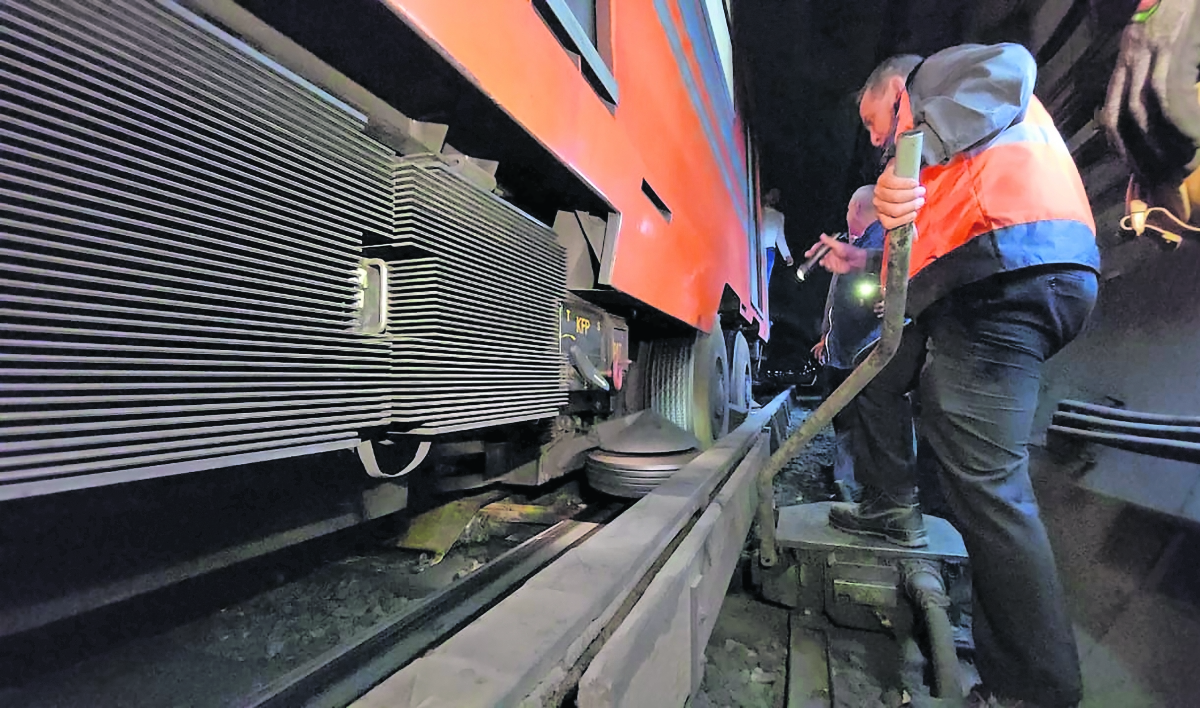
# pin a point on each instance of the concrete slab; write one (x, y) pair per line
(650, 664)
(1191, 505)
(1108, 683)
(807, 526)
(1103, 547)
(1149, 655)
(723, 548)
(1130, 586)
(1165, 486)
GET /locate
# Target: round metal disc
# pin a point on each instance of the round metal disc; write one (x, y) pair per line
(633, 476)
(651, 434)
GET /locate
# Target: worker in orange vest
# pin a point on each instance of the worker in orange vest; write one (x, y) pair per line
(1004, 274)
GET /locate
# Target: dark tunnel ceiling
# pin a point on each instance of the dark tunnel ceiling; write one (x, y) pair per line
(800, 64)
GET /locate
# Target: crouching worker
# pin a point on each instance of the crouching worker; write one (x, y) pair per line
(849, 324)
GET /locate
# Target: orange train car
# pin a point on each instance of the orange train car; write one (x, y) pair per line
(403, 230)
(659, 141)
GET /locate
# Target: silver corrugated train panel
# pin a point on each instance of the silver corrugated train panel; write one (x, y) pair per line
(473, 315)
(180, 227)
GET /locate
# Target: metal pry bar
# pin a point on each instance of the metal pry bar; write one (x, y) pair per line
(908, 164)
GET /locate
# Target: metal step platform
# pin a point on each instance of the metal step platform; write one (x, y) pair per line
(806, 527)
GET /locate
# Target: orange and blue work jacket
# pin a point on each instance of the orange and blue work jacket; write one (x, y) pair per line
(1001, 190)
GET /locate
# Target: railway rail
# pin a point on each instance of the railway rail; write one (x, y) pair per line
(340, 675)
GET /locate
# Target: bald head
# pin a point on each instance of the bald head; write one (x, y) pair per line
(860, 213)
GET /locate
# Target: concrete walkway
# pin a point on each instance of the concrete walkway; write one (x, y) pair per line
(1133, 581)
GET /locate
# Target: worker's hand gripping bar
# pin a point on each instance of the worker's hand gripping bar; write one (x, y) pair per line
(899, 240)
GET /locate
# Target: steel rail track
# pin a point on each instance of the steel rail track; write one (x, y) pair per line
(343, 673)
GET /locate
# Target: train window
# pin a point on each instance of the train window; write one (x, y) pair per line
(370, 304)
(580, 26)
(718, 20)
(585, 13)
(758, 261)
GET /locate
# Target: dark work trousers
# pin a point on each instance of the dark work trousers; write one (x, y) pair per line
(929, 487)
(930, 496)
(843, 426)
(976, 357)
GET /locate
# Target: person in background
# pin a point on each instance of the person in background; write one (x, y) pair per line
(848, 325)
(773, 238)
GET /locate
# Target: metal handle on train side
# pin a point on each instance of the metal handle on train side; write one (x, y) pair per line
(908, 164)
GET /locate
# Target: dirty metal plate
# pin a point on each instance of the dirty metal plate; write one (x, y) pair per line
(808, 667)
(860, 592)
(806, 526)
(508, 512)
(436, 530)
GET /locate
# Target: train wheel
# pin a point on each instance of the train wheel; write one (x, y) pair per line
(687, 382)
(740, 380)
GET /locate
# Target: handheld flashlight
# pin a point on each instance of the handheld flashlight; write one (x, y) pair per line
(807, 266)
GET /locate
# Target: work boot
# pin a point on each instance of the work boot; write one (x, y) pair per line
(881, 516)
(848, 490)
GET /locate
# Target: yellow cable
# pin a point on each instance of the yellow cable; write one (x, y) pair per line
(1138, 221)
